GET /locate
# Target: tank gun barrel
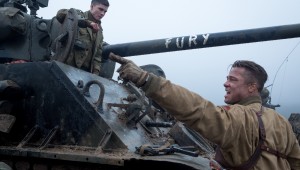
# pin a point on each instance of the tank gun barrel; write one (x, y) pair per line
(203, 40)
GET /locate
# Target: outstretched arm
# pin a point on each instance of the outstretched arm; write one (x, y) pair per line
(130, 71)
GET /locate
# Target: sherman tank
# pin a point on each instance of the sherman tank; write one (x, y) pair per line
(54, 116)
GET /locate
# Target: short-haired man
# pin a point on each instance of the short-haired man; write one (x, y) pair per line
(248, 135)
(87, 51)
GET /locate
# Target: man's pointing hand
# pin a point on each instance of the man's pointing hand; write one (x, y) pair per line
(129, 70)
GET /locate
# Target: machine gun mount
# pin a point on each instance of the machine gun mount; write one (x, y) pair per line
(33, 5)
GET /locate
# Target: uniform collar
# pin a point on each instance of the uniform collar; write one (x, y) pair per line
(250, 100)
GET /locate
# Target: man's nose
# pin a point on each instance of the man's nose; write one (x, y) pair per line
(102, 12)
(226, 84)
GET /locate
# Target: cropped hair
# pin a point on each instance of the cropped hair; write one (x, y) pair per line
(255, 72)
(103, 2)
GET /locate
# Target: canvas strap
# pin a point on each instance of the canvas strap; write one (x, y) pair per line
(260, 147)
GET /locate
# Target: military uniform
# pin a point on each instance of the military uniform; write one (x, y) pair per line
(87, 50)
(234, 127)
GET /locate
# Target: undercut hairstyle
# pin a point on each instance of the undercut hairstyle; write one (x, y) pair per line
(103, 2)
(255, 72)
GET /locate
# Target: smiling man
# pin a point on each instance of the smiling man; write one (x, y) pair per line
(87, 51)
(248, 135)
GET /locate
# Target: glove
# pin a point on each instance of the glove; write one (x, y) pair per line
(130, 71)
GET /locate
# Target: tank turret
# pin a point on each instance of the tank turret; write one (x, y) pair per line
(52, 40)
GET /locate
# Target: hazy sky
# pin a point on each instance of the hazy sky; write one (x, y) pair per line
(204, 70)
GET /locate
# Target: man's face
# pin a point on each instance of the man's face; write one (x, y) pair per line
(236, 87)
(98, 11)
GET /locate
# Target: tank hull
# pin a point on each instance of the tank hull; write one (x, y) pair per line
(64, 121)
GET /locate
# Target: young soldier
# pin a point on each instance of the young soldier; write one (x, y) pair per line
(87, 50)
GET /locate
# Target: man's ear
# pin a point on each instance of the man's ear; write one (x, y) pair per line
(252, 87)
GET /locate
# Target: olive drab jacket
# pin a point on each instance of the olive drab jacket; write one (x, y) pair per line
(87, 51)
(234, 127)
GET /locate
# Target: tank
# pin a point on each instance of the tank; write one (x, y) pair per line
(54, 116)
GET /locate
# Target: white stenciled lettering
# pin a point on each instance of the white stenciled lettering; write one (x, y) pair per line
(180, 41)
(168, 41)
(179, 45)
(205, 36)
(192, 39)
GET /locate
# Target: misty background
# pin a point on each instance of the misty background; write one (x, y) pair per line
(204, 70)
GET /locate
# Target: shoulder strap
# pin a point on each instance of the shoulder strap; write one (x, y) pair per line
(254, 158)
(259, 148)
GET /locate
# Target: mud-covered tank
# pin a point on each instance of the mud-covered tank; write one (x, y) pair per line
(55, 116)
(65, 117)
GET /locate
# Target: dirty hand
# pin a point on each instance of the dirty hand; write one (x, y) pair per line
(95, 27)
(129, 70)
(16, 62)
